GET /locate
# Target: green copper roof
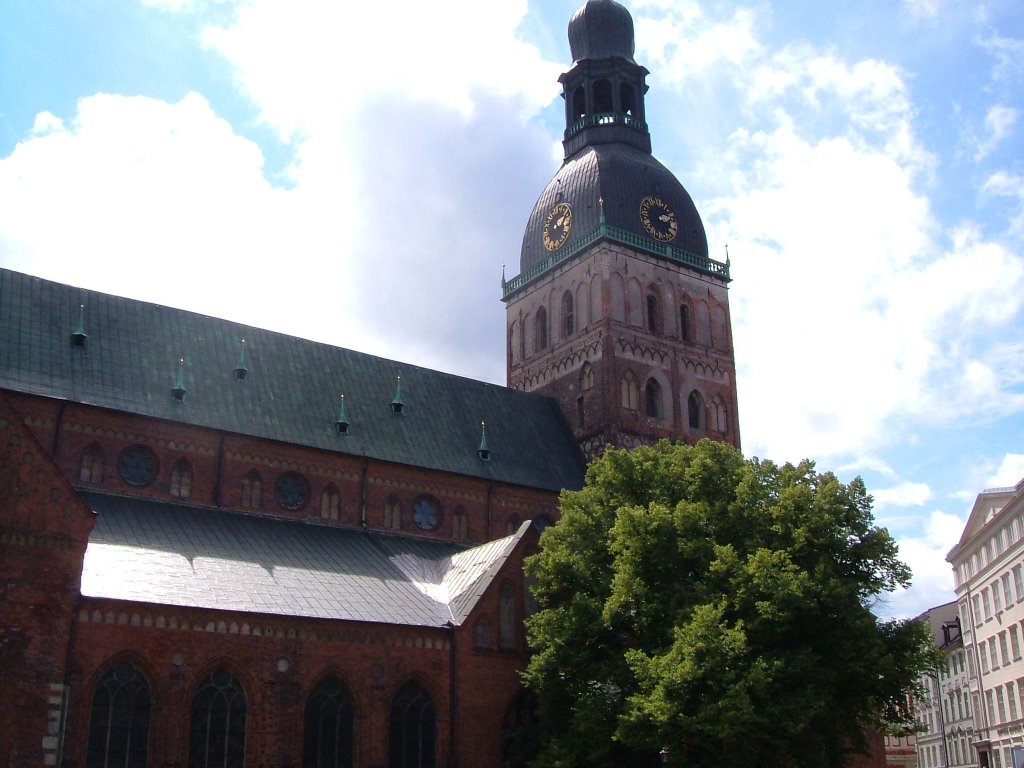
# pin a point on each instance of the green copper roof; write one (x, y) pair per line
(132, 361)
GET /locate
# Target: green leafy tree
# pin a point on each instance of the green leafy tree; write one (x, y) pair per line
(718, 609)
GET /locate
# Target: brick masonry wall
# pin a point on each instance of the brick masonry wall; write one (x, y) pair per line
(44, 528)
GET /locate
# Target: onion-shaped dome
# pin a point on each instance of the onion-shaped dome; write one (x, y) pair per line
(601, 29)
(614, 180)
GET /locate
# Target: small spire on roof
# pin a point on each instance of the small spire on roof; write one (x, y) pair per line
(600, 211)
(397, 405)
(342, 421)
(178, 390)
(483, 452)
(502, 275)
(727, 254)
(78, 336)
(241, 371)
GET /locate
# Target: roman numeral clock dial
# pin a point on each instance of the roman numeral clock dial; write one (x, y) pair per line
(557, 226)
(658, 219)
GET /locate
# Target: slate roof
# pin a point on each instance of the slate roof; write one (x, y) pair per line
(620, 176)
(292, 392)
(174, 554)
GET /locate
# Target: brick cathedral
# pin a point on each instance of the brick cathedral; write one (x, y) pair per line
(223, 546)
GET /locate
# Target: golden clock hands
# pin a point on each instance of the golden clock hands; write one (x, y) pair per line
(664, 217)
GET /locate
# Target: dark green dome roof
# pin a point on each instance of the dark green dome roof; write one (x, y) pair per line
(601, 29)
(621, 176)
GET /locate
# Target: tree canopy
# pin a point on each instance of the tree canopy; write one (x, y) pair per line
(716, 608)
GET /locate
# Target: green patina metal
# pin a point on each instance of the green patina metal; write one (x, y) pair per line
(605, 118)
(617, 235)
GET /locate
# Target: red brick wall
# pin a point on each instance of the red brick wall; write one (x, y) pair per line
(220, 461)
(43, 533)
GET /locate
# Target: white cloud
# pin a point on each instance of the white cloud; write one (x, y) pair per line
(1005, 185)
(922, 9)
(926, 555)
(1010, 471)
(999, 122)
(330, 62)
(903, 495)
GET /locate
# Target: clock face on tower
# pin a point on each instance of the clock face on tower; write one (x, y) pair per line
(557, 226)
(658, 219)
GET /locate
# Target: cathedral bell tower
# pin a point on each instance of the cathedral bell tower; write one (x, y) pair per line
(617, 311)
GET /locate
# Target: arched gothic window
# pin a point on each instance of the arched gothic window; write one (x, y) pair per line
(392, 513)
(695, 410)
(329, 726)
(91, 468)
(413, 729)
(653, 313)
(482, 634)
(330, 503)
(652, 399)
(181, 479)
(252, 491)
(630, 392)
(541, 329)
(119, 719)
(587, 377)
(217, 725)
(568, 318)
(507, 617)
(685, 323)
(720, 419)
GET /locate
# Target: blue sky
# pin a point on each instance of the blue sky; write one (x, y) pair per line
(360, 176)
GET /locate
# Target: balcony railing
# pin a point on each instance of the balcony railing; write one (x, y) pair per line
(604, 118)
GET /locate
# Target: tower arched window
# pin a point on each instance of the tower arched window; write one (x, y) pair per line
(695, 411)
(329, 726)
(217, 723)
(512, 524)
(252, 491)
(630, 392)
(330, 502)
(507, 617)
(627, 98)
(568, 318)
(579, 103)
(653, 312)
(413, 729)
(90, 469)
(119, 719)
(603, 97)
(181, 479)
(685, 323)
(652, 399)
(514, 343)
(541, 328)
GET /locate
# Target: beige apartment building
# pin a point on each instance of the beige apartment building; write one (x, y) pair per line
(988, 568)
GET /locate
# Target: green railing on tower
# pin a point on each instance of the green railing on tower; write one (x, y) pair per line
(618, 235)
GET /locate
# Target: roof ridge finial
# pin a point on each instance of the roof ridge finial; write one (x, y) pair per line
(342, 422)
(79, 336)
(178, 390)
(397, 405)
(600, 211)
(483, 451)
(241, 371)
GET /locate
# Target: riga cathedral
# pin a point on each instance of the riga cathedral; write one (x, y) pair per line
(224, 546)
